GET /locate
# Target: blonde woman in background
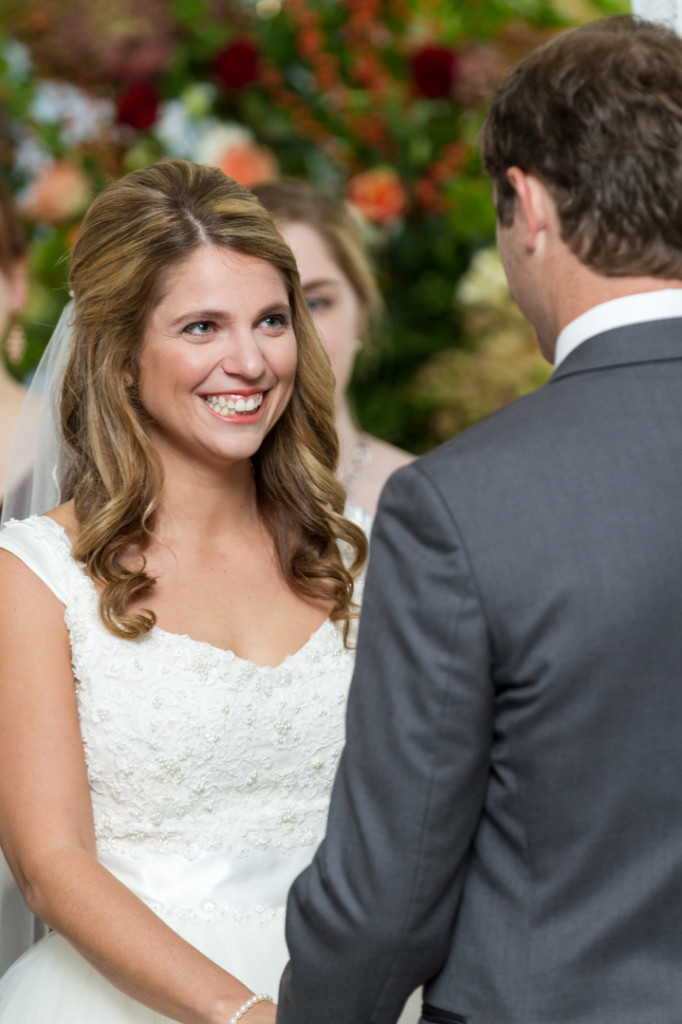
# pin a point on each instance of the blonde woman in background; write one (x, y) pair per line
(344, 302)
(175, 657)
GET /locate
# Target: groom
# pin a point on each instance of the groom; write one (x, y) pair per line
(506, 825)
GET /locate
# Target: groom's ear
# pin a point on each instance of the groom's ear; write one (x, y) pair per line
(533, 205)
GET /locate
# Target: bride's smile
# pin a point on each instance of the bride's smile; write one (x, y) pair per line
(242, 405)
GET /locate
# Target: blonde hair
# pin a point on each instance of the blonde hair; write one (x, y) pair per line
(298, 202)
(135, 231)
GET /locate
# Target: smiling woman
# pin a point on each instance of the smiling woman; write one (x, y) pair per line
(178, 646)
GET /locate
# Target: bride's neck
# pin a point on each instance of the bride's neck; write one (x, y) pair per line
(207, 504)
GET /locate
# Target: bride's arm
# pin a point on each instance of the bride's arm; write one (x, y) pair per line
(47, 830)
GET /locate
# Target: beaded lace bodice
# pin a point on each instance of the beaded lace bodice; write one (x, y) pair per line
(190, 748)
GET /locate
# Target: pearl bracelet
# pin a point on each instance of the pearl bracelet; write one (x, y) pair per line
(247, 1006)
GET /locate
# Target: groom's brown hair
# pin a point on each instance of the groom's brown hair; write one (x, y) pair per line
(596, 114)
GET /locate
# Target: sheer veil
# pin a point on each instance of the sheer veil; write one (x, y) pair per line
(38, 458)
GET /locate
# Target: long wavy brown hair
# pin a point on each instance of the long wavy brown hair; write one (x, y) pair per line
(135, 232)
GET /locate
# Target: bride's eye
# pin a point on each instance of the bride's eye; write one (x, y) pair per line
(277, 322)
(199, 329)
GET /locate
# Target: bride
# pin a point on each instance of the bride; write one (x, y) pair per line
(175, 636)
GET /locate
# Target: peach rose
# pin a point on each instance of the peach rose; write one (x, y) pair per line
(232, 148)
(60, 193)
(248, 164)
(378, 194)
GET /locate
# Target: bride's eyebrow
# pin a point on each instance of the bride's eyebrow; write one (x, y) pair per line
(225, 316)
(199, 314)
(274, 307)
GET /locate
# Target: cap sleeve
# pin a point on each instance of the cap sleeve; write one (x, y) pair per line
(44, 547)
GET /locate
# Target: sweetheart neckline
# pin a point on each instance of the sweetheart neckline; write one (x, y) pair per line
(160, 632)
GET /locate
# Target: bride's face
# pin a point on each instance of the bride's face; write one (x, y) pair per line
(218, 358)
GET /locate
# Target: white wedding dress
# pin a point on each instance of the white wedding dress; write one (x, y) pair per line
(210, 780)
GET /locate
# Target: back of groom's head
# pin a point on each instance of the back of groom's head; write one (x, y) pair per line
(596, 114)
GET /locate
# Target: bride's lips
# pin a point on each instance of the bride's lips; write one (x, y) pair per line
(236, 406)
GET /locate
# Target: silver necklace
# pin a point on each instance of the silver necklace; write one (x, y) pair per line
(360, 461)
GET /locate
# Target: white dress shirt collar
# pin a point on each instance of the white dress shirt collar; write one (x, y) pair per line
(665, 304)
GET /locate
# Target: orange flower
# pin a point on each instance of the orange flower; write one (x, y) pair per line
(366, 70)
(429, 196)
(59, 194)
(371, 130)
(248, 164)
(232, 148)
(327, 75)
(451, 162)
(310, 41)
(378, 194)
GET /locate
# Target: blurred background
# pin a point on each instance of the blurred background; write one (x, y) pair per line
(378, 101)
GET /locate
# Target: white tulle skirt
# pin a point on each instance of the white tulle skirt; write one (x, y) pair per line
(230, 909)
(53, 984)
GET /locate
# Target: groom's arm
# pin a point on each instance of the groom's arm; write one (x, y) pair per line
(372, 917)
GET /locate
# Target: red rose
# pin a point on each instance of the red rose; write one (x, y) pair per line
(238, 64)
(138, 106)
(433, 71)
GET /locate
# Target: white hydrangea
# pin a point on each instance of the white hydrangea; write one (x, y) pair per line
(81, 116)
(181, 124)
(484, 283)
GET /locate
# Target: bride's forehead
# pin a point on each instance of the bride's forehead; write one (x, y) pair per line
(221, 278)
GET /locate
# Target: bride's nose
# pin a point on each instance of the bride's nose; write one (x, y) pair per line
(243, 356)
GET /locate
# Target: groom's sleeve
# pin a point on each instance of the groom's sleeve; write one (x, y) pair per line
(372, 918)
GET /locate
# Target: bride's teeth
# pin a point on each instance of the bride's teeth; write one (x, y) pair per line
(229, 406)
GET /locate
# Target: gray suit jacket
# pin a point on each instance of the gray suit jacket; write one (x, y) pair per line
(506, 824)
